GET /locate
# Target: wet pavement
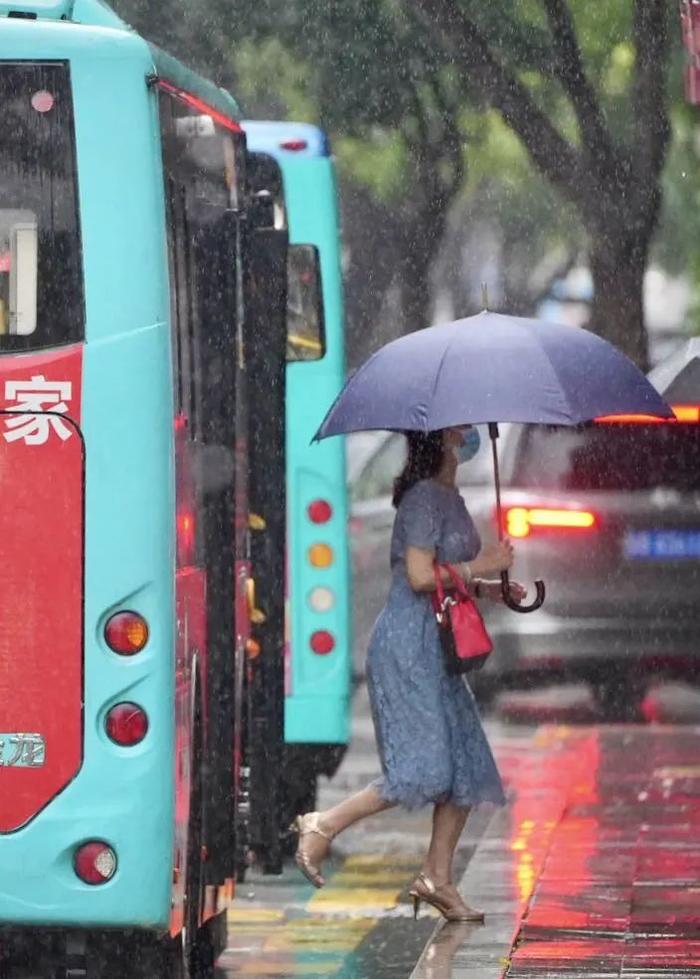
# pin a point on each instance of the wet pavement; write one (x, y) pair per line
(593, 870)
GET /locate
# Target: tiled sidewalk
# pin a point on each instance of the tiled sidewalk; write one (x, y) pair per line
(594, 871)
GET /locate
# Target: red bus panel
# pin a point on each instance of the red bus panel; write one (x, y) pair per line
(41, 581)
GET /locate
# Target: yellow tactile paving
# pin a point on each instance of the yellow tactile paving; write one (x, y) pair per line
(316, 940)
(362, 882)
(286, 968)
(334, 900)
(240, 915)
(379, 861)
(320, 934)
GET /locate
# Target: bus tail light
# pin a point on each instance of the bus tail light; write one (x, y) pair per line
(185, 538)
(95, 862)
(321, 556)
(126, 724)
(322, 643)
(293, 145)
(521, 521)
(320, 511)
(126, 633)
(321, 600)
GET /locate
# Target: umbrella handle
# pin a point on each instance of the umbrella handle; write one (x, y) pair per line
(505, 580)
(533, 606)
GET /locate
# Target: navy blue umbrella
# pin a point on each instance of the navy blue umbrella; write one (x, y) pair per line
(487, 369)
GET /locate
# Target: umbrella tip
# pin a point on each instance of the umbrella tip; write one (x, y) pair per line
(484, 296)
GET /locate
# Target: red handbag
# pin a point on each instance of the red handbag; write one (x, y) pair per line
(465, 642)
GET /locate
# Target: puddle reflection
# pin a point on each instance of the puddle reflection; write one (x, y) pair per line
(439, 957)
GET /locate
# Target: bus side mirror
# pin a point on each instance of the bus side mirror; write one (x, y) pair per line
(24, 247)
(306, 333)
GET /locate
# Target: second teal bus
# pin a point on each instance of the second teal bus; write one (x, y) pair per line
(319, 635)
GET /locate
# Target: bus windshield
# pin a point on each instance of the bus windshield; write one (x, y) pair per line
(41, 292)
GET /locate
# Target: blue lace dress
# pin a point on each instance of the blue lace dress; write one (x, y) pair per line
(431, 743)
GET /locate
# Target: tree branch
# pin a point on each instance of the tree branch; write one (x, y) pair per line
(461, 39)
(570, 71)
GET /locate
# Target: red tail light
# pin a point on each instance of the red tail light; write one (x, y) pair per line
(320, 511)
(293, 145)
(322, 643)
(683, 413)
(520, 521)
(185, 539)
(95, 862)
(127, 724)
(126, 633)
(185, 495)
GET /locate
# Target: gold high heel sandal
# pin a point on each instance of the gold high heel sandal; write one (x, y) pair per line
(304, 826)
(425, 890)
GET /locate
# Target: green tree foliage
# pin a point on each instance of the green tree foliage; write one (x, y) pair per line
(550, 117)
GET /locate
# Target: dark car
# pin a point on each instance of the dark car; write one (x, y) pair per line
(609, 515)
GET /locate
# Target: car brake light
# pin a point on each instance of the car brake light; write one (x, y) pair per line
(687, 413)
(320, 511)
(127, 724)
(520, 521)
(126, 633)
(95, 862)
(322, 643)
(682, 413)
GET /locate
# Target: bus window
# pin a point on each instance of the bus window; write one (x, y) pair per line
(306, 335)
(18, 262)
(41, 291)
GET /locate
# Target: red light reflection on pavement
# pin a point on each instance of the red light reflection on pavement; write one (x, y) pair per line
(606, 853)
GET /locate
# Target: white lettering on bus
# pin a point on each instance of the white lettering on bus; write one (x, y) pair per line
(36, 395)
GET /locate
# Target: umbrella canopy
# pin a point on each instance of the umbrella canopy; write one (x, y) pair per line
(491, 368)
(678, 377)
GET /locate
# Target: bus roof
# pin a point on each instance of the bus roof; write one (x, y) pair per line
(282, 139)
(96, 13)
(184, 78)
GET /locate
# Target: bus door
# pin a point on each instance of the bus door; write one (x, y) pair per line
(215, 244)
(205, 270)
(266, 338)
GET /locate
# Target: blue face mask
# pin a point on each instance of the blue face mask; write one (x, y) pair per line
(471, 443)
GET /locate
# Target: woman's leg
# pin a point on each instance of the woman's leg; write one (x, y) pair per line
(448, 823)
(332, 821)
(367, 802)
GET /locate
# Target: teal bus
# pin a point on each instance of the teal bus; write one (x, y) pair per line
(143, 316)
(319, 639)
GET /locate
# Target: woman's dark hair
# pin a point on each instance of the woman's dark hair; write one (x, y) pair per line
(426, 452)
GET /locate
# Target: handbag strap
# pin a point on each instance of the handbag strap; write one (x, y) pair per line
(456, 580)
(439, 589)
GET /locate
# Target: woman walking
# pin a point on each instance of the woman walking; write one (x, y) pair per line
(432, 746)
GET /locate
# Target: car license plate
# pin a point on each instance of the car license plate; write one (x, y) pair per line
(662, 545)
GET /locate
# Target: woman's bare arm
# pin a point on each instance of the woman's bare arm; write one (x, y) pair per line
(490, 560)
(420, 570)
